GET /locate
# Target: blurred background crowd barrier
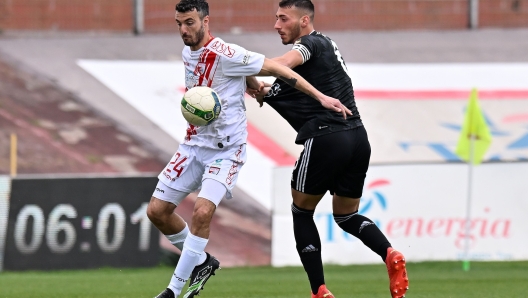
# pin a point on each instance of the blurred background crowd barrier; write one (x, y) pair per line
(251, 15)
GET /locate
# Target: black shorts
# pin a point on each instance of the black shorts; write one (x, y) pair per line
(336, 162)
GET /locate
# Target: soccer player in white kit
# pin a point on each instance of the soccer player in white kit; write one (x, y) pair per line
(211, 156)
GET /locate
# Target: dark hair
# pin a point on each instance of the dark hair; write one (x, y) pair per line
(305, 5)
(201, 6)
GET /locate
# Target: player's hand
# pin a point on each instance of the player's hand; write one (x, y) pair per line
(335, 105)
(253, 91)
(260, 96)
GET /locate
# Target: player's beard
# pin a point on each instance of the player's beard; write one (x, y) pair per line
(294, 34)
(197, 38)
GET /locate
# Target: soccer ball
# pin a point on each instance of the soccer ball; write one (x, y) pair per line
(200, 106)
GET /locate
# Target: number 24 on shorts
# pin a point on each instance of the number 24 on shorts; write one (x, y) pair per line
(175, 168)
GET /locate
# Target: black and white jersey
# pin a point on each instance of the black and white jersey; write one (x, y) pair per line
(324, 68)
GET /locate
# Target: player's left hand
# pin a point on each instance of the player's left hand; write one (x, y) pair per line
(335, 105)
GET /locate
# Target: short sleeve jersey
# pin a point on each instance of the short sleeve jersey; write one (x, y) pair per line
(222, 67)
(324, 68)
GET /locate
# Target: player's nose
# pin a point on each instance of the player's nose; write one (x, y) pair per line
(277, 25)
(184, 29)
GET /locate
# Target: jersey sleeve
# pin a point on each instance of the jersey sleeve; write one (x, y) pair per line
(242, 62)
(307, 46)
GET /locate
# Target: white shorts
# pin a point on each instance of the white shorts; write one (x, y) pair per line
(192, 164)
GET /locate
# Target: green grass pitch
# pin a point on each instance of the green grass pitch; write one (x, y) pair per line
(429, 279)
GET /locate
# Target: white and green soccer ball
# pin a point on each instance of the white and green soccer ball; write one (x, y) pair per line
(200, 106)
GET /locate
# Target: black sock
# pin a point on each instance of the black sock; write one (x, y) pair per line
(308, 245)
(365, 230)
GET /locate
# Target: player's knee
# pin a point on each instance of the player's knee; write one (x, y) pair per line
(346, 219)
(201, 220)
(156, 214)
(202, 214)
(153, 215)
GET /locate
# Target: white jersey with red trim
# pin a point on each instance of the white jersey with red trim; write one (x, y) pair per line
(222, 67)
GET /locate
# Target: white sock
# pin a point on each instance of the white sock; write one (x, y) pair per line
(193, 249)
(202, 258)
(178, 239)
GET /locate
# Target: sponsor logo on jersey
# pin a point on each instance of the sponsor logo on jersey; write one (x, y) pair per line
(245, 61)
(274, 90)
(190, 79)
(223, 49)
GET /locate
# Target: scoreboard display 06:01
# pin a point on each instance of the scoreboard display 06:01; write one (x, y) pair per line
(68, 223)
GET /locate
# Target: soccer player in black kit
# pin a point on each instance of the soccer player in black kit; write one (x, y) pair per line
(336, 150)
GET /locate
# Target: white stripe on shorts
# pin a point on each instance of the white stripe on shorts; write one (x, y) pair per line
(303, 167)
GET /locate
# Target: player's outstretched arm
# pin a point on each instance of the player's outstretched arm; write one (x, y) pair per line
(290, 77)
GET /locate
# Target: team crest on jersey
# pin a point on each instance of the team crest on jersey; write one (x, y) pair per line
(274, 90)
(199, 69)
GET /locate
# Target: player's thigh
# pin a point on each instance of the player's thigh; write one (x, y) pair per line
(182, 175)
(223, 167)
(351, 177)
(322, 157)
(305, 201)
(344, 205)
(213, 191)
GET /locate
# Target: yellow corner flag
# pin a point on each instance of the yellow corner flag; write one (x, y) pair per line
(475, 129)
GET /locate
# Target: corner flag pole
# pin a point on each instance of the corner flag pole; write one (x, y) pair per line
(475, 139)
(465, 262)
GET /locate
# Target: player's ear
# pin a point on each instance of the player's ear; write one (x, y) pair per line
(305, 20)
(205, 20)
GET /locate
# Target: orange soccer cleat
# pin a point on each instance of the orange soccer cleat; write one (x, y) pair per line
(323, 292)
(399, 282)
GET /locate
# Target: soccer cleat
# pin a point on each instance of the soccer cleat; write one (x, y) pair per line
(167, 293)
(399, 282)
(323, 292)
(200, 275)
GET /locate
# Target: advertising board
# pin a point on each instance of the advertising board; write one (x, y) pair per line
(422, 211)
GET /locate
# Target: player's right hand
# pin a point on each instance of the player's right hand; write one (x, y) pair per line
(335, 105)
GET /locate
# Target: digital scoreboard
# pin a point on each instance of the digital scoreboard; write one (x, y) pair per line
(70, 223)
